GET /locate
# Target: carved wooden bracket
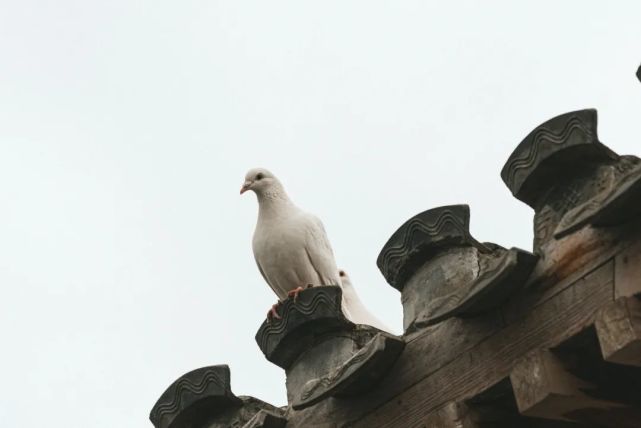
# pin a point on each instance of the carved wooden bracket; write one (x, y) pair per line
(203, 398)
(323, 353)
(571, 179)
(618, 327)
(442, 271)
(356, 375)
(544, 388)
(550, 386)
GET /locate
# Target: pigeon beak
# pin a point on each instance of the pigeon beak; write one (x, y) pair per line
(245, 187)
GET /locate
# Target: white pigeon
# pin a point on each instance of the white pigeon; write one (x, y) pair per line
(357, 310)
(290, 246)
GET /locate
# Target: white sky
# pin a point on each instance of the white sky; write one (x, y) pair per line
(126, 129)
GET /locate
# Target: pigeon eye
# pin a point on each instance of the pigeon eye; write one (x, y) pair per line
(341, 273)
(259, 176)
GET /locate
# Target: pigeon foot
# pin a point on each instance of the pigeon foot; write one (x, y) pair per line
(273, 313)
(294, 293)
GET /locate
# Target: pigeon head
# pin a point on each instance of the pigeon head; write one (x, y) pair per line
(261, 181)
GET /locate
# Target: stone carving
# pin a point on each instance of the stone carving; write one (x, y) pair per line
(356, 375)
(442, 271)
(420, 235)
(618, 200)
(203, 398)
(205, 386)
(323, 353)
(543, 156)
(318, 310)
(571, 179)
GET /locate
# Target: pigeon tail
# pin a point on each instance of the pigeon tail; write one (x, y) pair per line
(355, 310)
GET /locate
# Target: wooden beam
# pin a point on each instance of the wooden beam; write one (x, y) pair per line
(452, 415)
(425, 353)
(476, 370)
(627, 271)
(618, 328)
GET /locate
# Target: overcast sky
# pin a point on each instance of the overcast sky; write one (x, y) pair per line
(126, 129)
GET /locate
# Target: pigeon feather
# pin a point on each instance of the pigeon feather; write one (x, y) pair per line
(358, 312)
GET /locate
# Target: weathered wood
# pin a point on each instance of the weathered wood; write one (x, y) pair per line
(496, 408)
(627, 280)
(266, 419)
(463, 282)
(357, 375)
(617, 202)
(618, 327)
(544, 389)
(565, 262)
(324, 354)
(425, 353)
(435, 349)
(548, 324)
(452, 415)
(578, 189)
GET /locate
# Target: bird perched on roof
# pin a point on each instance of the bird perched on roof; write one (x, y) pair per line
(290, 246)
(358, 311)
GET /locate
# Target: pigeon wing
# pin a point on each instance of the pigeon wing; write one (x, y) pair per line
(320, 254)
(260, 269)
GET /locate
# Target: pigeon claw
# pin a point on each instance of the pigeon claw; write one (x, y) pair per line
(294, 293)
(273, 313)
